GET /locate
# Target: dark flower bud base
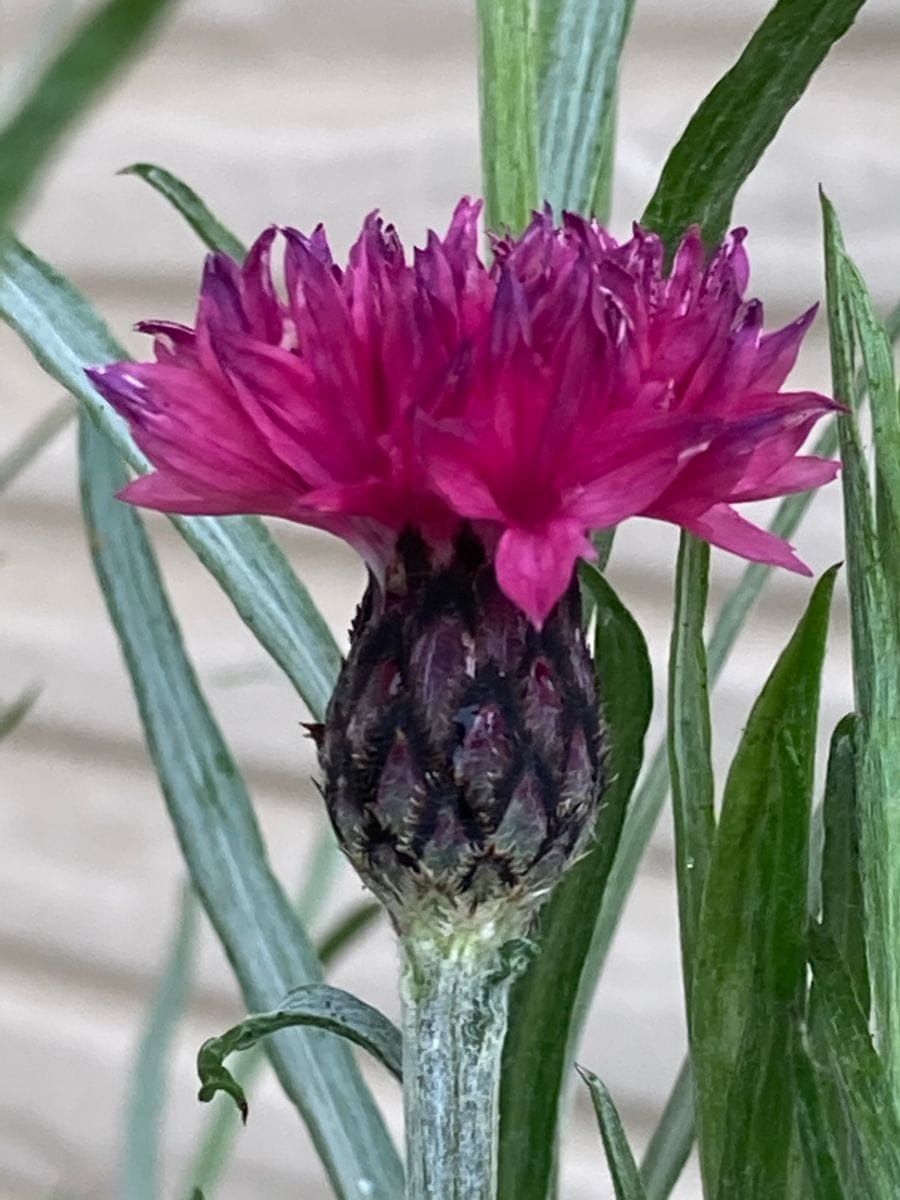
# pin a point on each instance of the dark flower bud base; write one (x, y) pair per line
(462, 750)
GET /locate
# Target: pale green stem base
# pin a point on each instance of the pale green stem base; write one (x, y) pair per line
(455, 1000)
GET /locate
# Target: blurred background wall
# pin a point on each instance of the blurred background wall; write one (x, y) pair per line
(296, 111)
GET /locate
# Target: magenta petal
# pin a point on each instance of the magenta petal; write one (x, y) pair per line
(724, 527)
(534, 567)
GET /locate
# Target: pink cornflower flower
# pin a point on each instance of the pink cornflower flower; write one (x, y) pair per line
(571, 385)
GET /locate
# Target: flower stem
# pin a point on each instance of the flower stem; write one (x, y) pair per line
(455, 999)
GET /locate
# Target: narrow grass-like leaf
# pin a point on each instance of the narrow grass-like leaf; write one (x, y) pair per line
(317, 1006)
(749, 970)
(690, 746)
(579, 46)
(817, 1137)
(211, 1158)
(221, 842)
(622, 1168)
(146, 1104)
(99, 48)
(843, 915)
(12, 714)
(546, 1006)
(853, 1066)
(205, 224)
(872, 573)
(881, 386)
(649, 797)
(25, 450)
(509, 123)
(727, 135)
(670, 1145)
(66, 335)
(345, 931)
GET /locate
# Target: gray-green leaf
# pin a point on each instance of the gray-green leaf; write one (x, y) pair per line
(221, 842)
(66, 335)
(186, 201)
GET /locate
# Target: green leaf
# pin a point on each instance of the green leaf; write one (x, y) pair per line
(205, 224)
(726, 136)
(220, 839)
(690, 746)
(646, 805)
(817, 1139)
(852, 1065)
(843, 916)
(670, 1146)
(318, 1006)
(99, 48)
(66, 335)
(625, 1177)
(881, 387)
(749, 971)
(872, 575)
(26, 449)
(147, 1101)
(548, 1001)
(16, 711)
(579, 46)
(509, 125)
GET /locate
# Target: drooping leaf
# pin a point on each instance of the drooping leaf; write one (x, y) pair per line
(97, 51)
(220, 840)
(547, 1001)
(749, 969)
(509, 125)
(670, 1146)
(579, 44)
(872, 575)
(622, 1168)
(66, 335)
(12, 714)
(26, 449)
(727, 135)
(197, 214)
(211, 1157)
(317, 1006)
(147, 1100)
(851, 1064)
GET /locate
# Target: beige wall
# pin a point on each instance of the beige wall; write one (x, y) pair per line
(298, 111)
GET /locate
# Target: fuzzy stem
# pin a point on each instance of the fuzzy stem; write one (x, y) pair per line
(455, 999)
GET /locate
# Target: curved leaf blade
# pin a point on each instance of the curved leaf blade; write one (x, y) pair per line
(66, 335)
(622, 1168)
(317, 1006)
(220, 839)
(750, 963)
(548, 1002)
(185, 200)
(727, 135)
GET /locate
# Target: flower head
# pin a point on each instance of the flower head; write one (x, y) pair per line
(571, 385)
